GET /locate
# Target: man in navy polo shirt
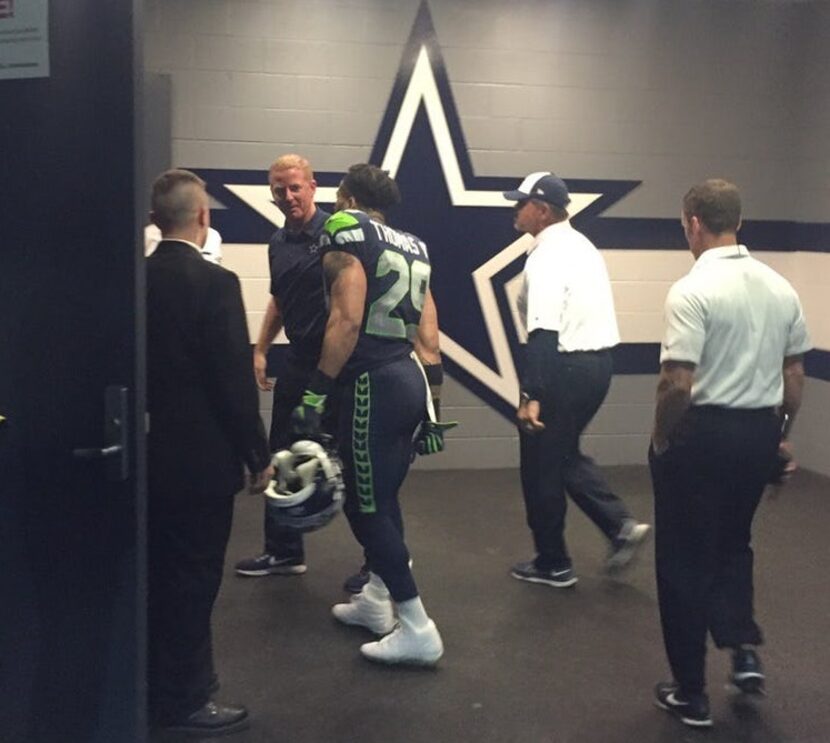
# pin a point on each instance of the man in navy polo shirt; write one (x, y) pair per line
(297, 305)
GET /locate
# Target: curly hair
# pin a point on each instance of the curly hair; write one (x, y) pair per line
(371, 187)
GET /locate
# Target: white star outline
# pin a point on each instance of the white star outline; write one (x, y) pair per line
(422, 87)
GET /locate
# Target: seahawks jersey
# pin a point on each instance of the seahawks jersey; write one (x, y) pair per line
(397, 278)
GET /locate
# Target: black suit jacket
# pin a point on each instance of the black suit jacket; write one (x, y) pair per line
(202, 396)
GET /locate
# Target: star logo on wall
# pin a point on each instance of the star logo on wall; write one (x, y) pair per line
(464, 219)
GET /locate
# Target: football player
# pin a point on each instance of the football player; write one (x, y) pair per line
(381, 313)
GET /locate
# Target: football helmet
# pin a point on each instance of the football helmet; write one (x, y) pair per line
(307, 490)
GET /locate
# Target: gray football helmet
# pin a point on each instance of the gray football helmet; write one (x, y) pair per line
(307, 490)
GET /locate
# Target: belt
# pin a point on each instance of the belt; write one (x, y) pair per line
(717, 410)
(594, 352)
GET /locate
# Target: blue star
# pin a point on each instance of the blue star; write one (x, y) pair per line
(464, 219)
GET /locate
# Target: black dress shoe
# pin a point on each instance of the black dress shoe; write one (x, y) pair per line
(213, 719)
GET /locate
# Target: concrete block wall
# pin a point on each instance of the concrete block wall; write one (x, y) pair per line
(661, 92)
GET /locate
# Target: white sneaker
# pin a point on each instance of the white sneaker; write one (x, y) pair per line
(625, 546)
(366, 610)
(421, 647)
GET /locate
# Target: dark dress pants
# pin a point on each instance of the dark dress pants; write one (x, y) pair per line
(187, 537)
(288, 392)
(707, 486)
(552, 464)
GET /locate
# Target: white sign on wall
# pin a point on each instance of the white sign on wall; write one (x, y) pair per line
(24, 38)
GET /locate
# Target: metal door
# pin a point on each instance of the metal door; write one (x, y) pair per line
(71, 387)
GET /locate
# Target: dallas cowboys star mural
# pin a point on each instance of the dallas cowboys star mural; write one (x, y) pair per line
(464, 219)
(476, 255)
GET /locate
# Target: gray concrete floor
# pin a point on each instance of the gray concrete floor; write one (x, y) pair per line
(524, 663)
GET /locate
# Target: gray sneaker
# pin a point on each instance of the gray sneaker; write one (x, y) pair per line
(747, 672)
(692, 710)
(625, 546)
(266, 564)
(562, 578)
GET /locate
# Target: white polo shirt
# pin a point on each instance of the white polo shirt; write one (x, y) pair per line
(566, 289)
(735, 319)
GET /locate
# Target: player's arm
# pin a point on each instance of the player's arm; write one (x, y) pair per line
(674, 396)
(346, 288)
(426, 340)
(346, 280)
(427, 348)
(429, 438)
(271, 326)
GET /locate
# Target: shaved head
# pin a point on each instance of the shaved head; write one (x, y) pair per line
(177, 197)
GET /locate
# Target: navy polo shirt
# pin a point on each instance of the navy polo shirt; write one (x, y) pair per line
(297, 284)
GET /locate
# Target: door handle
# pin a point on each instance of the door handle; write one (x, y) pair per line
(115, 449)
(107, 451)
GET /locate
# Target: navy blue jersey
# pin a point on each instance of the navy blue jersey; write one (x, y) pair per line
(297, 285)
(397, 278)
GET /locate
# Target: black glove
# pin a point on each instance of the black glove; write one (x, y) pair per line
(429, 438)
(307, 417)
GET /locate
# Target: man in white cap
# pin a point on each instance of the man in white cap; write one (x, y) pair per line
(568, 309)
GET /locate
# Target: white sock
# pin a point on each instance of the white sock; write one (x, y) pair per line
(412, 613)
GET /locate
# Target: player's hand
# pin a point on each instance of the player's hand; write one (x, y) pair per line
(259, 481)
(528, 415)
(307, 417)
(430, 437)
(260, 370)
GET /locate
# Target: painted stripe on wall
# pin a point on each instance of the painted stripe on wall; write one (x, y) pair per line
(640, 280)
(629, 358)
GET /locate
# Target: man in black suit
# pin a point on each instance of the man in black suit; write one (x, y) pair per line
(204, 425)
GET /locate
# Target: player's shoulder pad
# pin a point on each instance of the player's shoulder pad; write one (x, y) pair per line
(345, 227)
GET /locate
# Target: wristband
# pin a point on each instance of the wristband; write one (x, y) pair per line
(434, 374)
(320, 383)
